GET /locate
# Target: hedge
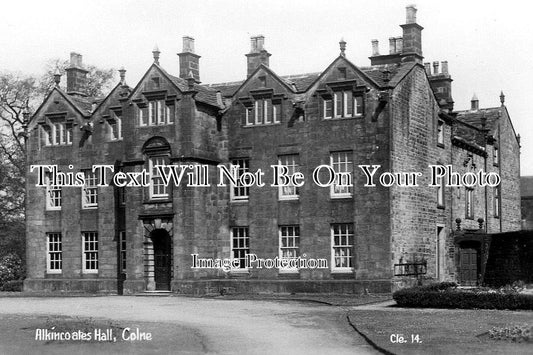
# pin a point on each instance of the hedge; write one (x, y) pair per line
(433, 297)
(14, 285)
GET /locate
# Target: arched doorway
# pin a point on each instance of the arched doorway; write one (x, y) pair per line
(158, 238)
(162, 249)
(469, 263)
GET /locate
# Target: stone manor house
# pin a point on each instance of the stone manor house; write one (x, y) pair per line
(396, 113)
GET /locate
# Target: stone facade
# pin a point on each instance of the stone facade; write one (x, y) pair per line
(526, 189)
(396, 114)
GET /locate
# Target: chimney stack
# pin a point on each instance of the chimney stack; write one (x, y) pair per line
(412, 37)
(375, 47)
(399, 44)
(258, 54)
(441, 83)
(76, 76)
(474, 103)
(410, 14)
(392, 45)
(427, 66)
(444, 67)
(435, 68)
(189, 60)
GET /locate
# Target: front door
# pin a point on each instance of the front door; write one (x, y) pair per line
(162, 259)
(469, 261)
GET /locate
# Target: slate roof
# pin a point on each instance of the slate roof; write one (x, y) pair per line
(474, 117)
(302, 82)
(83, 104)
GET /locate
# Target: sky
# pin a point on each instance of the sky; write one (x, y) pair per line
(488, 44)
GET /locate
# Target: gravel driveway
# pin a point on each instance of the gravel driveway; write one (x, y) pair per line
(184, 325)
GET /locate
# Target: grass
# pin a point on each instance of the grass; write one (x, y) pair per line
(441, 331)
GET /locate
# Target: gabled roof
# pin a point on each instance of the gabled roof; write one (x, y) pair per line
(107, 98)
(82, 105)
(302, 82)
(204, 93)
(474, 118)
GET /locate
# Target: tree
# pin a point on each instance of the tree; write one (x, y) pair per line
(19, 96)
(99, 81)
(17, 93)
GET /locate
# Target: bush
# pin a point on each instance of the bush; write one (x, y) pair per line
(434, 296)
(12, 286)
(11, 269)
(516, 333)
(439, 286)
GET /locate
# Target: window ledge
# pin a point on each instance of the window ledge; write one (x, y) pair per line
(441, 207)
(289, 199)
(155, 201)
(261, 125)
(342, 271)
(289, 272)
(440, 145)
(240, 201)
(343, 118)
(341, 197)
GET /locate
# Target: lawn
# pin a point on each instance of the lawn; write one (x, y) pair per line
(440, 331)
(19, 333)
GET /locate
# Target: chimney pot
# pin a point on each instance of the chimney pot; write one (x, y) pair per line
(474, 103)
(410, 14)
(444, 67)
(188, 44)
(375, 47)
(392, 45)
(258, 43)
(435, 68)
(75, 60)
(399, 44)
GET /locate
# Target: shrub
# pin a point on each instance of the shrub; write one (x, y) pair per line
(12, 286)
(10, 269)
(517, 333)
(435, 297)
(439, 286)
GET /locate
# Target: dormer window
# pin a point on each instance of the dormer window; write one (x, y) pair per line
(263, 111)
(156, 113)
(343, 104)
(56, 133)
